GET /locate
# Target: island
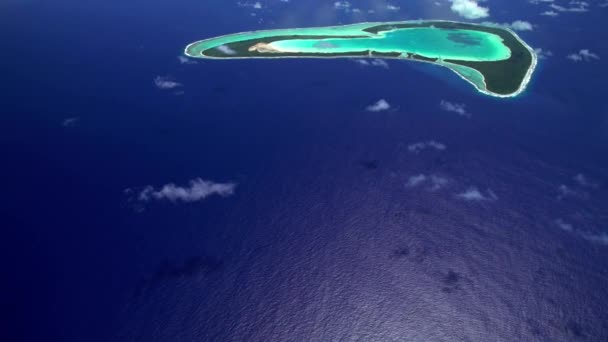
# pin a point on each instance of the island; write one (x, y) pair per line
(494, 59)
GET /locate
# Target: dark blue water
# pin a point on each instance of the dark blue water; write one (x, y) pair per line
(322, 240)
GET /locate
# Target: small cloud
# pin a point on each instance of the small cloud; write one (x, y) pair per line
(577, 6)
(550, 13)
(543, 54)
(420, 146)
(434, 182)
(165, 83)
(583, 181)
(437, 182)
(436, 145)
(588, 54)
(185, 60)
(361, 61)
(583, 55)
(517, 25)
(416, 147)
(377, 62)
(342, 5)
(473, 194)
(469, 9)
(70, 122)
(226, 50)
(392, 7)
(458, 108)
(416, 180)
(575, 57)
(564, 225)
(520, 25)
(599, 238)
(254, 5)
(564, 191)
(197, 189)
(379, 106)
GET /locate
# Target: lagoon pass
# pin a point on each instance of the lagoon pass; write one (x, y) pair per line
(493, 59)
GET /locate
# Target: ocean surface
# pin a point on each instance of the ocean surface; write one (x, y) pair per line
(440, 214)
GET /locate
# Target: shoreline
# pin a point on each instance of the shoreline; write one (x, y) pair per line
(522, 87)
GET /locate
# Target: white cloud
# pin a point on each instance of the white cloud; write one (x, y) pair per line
(558, 7)
(380, 105)
(436, 145)
(420, 146)
(70, 122)
(373, 62)
(185, 60)
(361, 61)
(583, 55)
(226, 50)
(392, 7)
(517, 25)
(342, 5)
(564, 225)
(437, 182)
(254, 5)
(550, 13)
(458, 108)
(469, 9)
(359, 14)
(379, 63)
(578, 3)
(415, 180)
(565, 191)
(599, 238)
(473, 194)
(162, 82)
(578, 6)
(520, 25)
(434, 182)
(198, 189)
(543, 54)
(584, 181)
(588, 54)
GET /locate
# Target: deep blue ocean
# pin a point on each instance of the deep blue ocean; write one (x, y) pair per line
(336, 230)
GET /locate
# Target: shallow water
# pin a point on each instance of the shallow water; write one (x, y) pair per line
(468, 45)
